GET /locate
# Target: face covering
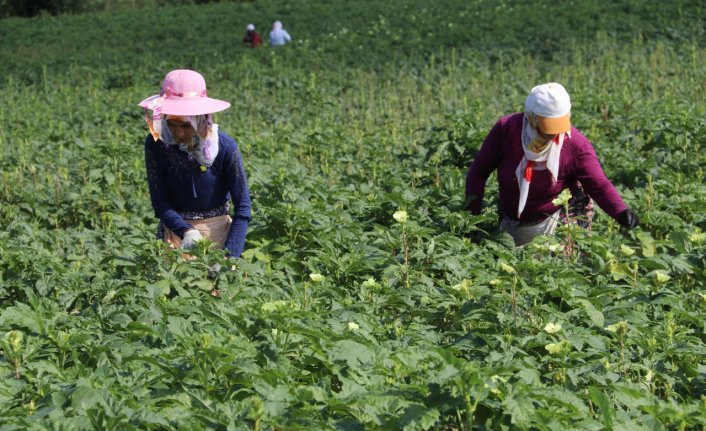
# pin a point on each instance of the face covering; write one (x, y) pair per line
(203, 146)
(540, 154)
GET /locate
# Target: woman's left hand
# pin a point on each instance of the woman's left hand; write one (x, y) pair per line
(628, 219)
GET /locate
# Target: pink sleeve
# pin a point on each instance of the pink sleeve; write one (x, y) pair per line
(485, 162)
(593, 179)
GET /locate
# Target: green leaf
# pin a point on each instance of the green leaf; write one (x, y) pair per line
(566, 397)
(521, 410)
(180, 327)
(86, 397)
(530, 376)
(600, 400)
(10, 388)
(596, 316)
(20, 315)
(631, 396)
(418, 417)
(352, 352)
(648, 243)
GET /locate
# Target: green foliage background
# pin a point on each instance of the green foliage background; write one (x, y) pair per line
(377, 106)
(30, 8)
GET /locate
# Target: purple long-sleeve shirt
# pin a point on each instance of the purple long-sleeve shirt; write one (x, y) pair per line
(177, 184)
(502, 150)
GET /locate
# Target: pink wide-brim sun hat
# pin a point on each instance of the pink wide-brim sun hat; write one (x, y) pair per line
(184, 93)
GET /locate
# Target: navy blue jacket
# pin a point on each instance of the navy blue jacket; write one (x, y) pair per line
(178, 184)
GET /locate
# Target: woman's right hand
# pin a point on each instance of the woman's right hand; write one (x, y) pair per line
(190, 238)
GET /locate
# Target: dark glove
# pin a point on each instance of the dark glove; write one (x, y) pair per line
(628, 219)
(475, 236)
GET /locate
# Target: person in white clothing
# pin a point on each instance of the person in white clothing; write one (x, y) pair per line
(278, 35)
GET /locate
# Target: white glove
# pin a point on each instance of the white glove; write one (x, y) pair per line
(190, 238)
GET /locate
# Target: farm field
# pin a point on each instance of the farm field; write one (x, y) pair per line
(339, 316)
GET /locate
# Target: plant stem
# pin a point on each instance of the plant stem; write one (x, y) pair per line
(514, 301)
(406, 256)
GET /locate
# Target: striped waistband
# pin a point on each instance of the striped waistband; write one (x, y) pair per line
(204, 214)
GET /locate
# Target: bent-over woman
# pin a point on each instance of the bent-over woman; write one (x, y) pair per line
(194, 170)
(537, 154)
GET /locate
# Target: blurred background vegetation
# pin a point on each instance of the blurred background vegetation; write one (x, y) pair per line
(29, 8)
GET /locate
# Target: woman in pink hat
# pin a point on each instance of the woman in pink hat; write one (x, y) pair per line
(194, 170)
(537, 155)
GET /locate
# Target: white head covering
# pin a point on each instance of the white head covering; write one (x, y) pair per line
(548, 100)
(250, 27)
(277, 25)
(548, 105)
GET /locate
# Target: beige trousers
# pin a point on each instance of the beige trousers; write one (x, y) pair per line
(214, 228)
(523, 234)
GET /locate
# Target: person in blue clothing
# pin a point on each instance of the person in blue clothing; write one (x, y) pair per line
(278, 35)
(194, 170)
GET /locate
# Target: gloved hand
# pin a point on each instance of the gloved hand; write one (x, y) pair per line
(475, 235)
(190, 238)
(628, 219)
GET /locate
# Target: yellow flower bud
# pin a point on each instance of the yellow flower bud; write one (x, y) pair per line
(400, 216)
(507, 268)
(627, 251)
(15, 339)
(661, 277)
(552, 328)
(316, 277)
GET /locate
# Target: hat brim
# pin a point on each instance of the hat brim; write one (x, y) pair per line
(200, 106)
(553, 126)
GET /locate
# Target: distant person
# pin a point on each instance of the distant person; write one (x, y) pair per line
(537, 155)
(194, 169)
(278, 35)
(252, 39)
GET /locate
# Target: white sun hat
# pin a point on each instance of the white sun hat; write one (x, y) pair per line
(552, 105)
